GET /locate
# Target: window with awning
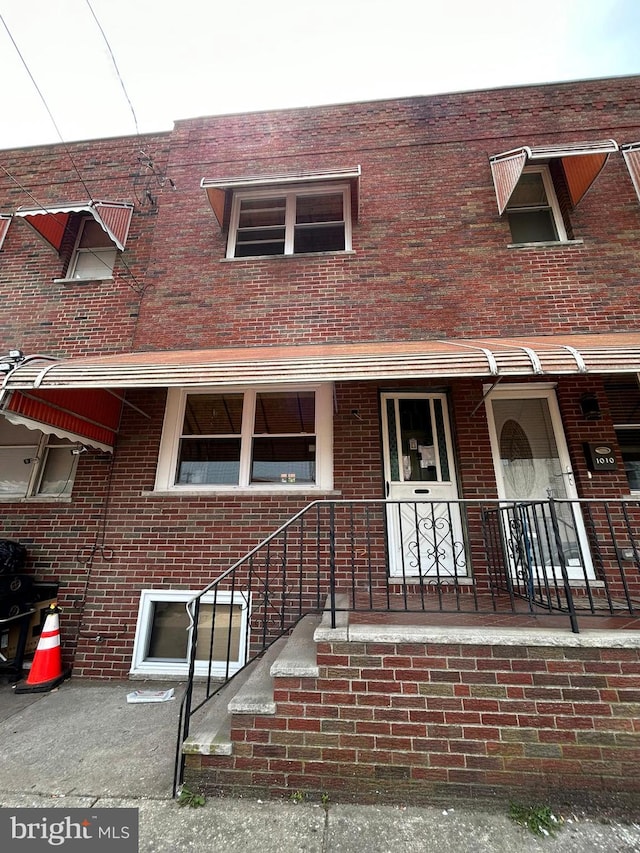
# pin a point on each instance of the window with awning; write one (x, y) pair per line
(34, 464)
(5, 221)
(89, 416)
(631, 154)
(96, 230)
(529, 181)
(292, 214)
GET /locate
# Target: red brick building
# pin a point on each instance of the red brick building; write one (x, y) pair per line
(431, 300)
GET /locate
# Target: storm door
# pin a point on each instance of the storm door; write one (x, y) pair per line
(532, 465)
(424, 527)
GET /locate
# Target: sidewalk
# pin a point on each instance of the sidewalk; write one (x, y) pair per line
(82, 745)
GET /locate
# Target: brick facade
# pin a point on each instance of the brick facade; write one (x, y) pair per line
(430, 260)
(437, 718)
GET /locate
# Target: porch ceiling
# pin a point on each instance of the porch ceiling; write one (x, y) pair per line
(452, 358)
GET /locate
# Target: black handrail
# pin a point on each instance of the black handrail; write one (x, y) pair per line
(545, 557)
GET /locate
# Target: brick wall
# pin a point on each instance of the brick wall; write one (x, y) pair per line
(430, 260)
(424, 720)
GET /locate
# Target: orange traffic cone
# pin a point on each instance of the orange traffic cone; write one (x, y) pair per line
(46, 670)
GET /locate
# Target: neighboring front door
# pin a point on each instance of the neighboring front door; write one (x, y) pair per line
(532, 465)
(424, 529)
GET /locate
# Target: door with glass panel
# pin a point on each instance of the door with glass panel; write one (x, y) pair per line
(533, 465)
(424, 527)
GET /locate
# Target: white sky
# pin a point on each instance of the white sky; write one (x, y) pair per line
(206, 57)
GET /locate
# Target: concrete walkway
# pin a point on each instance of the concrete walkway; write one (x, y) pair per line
(84, 746)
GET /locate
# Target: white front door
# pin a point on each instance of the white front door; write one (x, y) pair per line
(532, 465)
(424, 530)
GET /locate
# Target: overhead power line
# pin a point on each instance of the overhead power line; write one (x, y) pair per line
(115, 65)
(46, 105)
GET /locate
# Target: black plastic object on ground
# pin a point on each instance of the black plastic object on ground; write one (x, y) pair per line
(13, 556)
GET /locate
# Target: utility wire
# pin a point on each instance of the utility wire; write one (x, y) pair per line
(46, 105)
(115, 65)
(137, 287)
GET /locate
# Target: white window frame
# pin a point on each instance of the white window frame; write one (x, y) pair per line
(36, 455)
(290, 193)
(627, 428)
(141, 665)
(172, 430)
(105, 255)
(552, 203)
(5, 222)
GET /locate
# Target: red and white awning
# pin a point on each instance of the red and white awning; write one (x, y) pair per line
(50, 222)
(89, 417)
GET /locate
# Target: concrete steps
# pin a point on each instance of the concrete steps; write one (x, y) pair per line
(251, 691)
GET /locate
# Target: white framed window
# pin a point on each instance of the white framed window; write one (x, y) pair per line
(94, 254)
(629, 444)
(533, 211)
(270, 437)
(5, 222)
(33, 464)
(623, 395)
(163, 633)
(292, 220)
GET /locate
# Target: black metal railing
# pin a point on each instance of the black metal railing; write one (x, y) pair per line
(567, 558)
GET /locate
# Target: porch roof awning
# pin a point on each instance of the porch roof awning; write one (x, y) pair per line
(581, 162)
(504, 357)
(50, 222)
(88, 417)
(219, 189)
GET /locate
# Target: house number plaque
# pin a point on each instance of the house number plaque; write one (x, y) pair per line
(600, 456)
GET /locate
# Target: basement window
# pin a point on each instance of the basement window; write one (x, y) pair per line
(163, 633)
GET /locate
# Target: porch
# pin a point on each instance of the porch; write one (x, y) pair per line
(551, 581)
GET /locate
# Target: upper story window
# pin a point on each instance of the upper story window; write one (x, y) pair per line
(631, 154)
(292, 223)
(87, 236)
(5, 222)
(94, 254)
(248, 438)
(294, 214)
(533, 211)
(536, 185)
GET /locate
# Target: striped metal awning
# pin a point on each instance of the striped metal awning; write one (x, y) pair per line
(5, 222)
(581, 162)
(631, 154)
(219, 189)
(89, 417)
(443, 359)
(50, 222)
